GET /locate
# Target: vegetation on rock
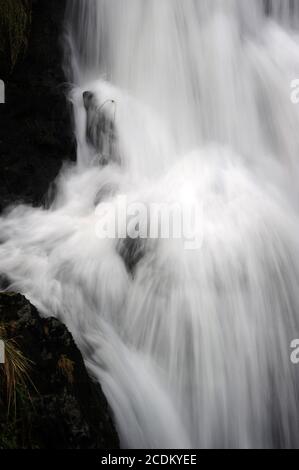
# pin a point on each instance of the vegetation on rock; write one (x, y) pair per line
(15, 23)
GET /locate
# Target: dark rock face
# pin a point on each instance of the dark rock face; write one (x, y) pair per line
(35, 122)
(64, 408)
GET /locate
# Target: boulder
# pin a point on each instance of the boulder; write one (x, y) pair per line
(55, 404)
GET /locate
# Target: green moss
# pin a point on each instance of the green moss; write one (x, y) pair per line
(15, 22)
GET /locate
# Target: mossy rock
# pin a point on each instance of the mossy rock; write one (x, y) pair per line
(15, 25)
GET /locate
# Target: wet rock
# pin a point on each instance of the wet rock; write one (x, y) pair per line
(61, 407)
(132, 251)
(100, 128)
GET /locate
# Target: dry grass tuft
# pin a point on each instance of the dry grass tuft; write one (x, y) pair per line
(14, 372)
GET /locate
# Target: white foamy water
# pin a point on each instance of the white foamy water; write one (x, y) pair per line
(192, 347)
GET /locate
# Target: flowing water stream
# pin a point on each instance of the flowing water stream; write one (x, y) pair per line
(184, 101)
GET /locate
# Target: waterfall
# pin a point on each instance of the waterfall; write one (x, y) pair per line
(185, 102)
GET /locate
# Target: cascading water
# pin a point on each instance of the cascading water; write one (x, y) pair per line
(186, 101)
